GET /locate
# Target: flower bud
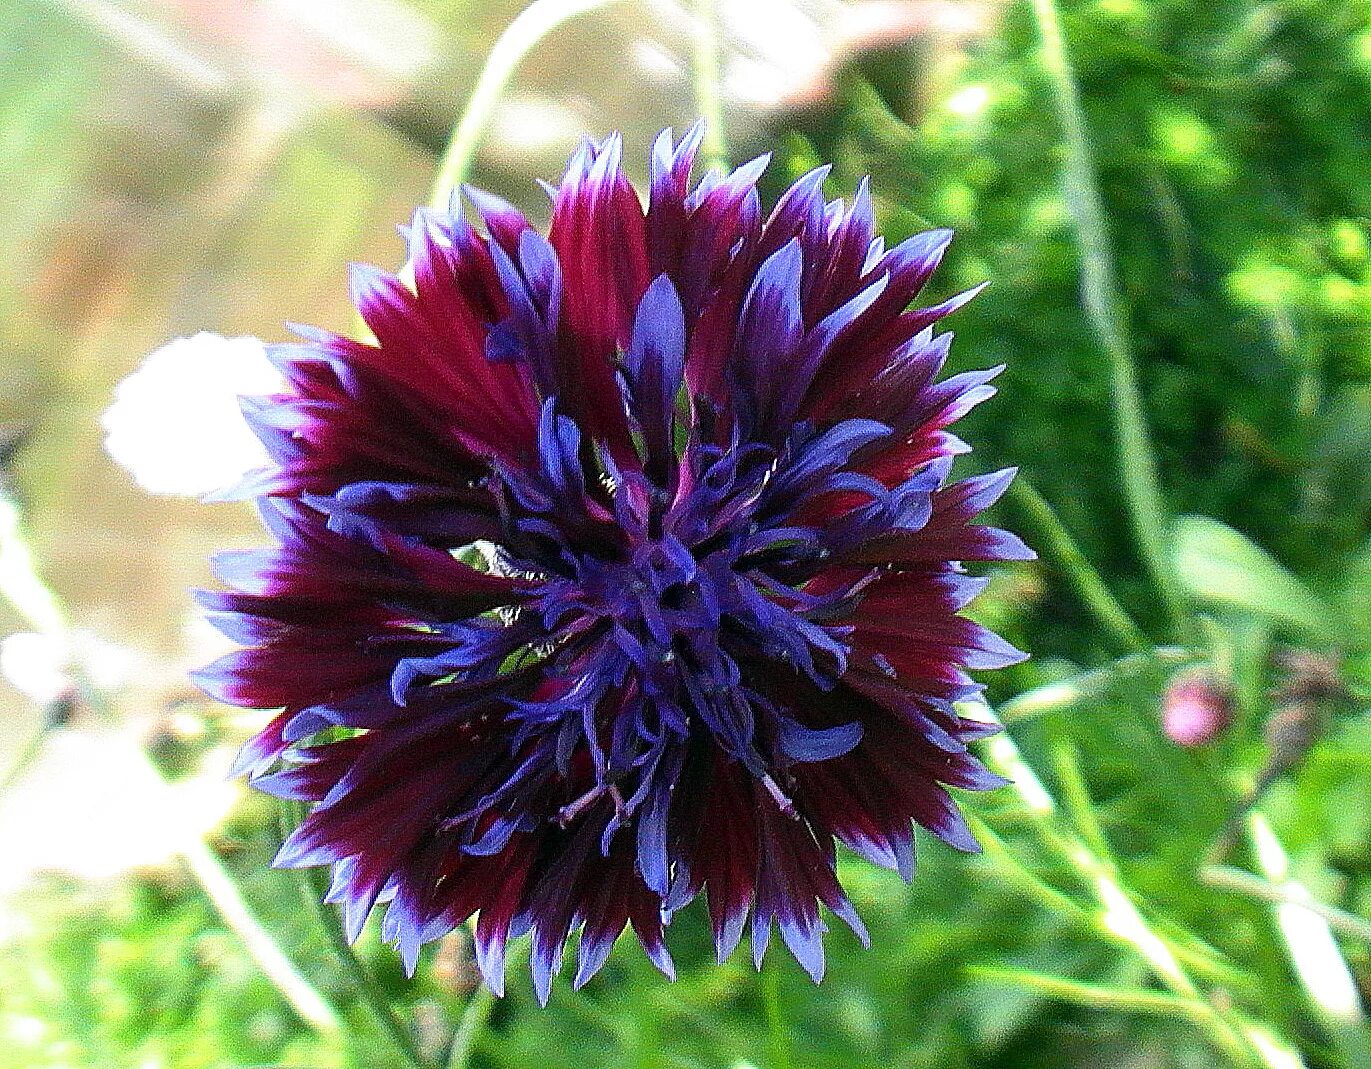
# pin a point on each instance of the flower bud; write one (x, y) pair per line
(1196, 708)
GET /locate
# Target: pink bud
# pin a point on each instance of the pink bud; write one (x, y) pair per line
(1196, 708)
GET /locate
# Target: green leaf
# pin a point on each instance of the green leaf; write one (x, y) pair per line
(1223, 566)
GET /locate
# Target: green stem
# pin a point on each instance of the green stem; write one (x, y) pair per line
(20, 582)
(220, 889)
(1315, 957)
(1245, 1045)
(1100, 294)
(775, 1019)
(520, 37)
(1119, 914)
(1228, 878)
(312, 890)
(476, 1015)
(1056, 544)
(1076, 799)
(28, 753)
(1094, 995)
(1010, 869)
(473, 1022)
(22, 585)
(708, 96)
(1084, 686)
(1013, 871)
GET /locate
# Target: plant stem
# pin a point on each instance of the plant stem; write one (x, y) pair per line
(28, 753)
(1138, 1001)
(469, 1028)
(1012, 870)
(1076, 799)
(313, 889)
(476, 1015)
(220, 889)
(1315, 957)
(20, 583)
(1250, 1046)
(1064, 694)
(520, 37)
(708, 97)
(1119, 914)
(775, 1019)
(1100, 295)
(1244, 883)
(1056, 543)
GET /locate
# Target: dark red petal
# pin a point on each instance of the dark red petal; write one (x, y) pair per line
(598, 231)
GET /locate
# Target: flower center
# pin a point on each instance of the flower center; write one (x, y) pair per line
(660, 596)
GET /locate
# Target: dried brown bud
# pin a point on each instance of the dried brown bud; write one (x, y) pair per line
(454, 966)
(1290, 733)
(1309, 676)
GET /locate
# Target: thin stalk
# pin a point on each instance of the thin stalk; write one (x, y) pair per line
(28, 753)
(1310, 390)
(312, 890)
(1112, 998)
(220, 889)
(1228, 878)
(1249, 1045)
(23, 586)
(520, 37)
(1015, 872)
(1057, 545)
(1076, 798)
(1315, 957)
(1009, 868)
(1119, 914)
(20, 583)
(775, 1019)
(473, 1022)
(708, 94)
(1066, 693)
(476, 1015)
(1100, 295)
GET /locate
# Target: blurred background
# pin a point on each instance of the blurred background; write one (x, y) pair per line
(173, 166)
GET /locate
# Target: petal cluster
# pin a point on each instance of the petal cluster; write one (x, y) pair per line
(621, 568)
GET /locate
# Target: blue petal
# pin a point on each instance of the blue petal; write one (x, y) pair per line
(816, 744)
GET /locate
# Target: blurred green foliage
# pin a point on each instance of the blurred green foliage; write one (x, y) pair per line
(1232, 140)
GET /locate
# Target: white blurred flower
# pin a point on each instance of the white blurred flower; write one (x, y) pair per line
(175, 424)
(783, 48)
(40, 664)
(784, 53)
(92, 806)
(36, 665)
(529, 126)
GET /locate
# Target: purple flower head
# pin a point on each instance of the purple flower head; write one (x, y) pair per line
(621, 569)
